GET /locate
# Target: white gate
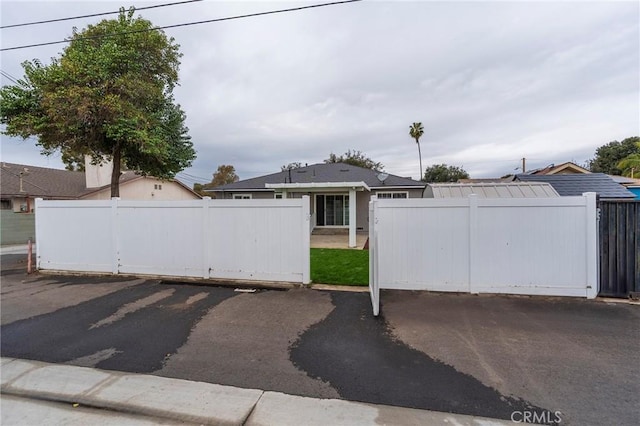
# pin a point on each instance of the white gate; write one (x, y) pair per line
(265, 240)
(533, 246)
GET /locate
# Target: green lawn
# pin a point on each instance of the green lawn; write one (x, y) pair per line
(338, 266)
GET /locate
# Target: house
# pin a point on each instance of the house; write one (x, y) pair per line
(633, 185)
(577, 184)
(567, 168)
(490, 190)
(339, 192)
(21, 184)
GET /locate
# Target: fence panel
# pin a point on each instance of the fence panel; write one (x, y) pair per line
(160, 239)
(423, 244)
(264, 240)
(75, 235)
(619, 248)
(258, 238)
(516, 246)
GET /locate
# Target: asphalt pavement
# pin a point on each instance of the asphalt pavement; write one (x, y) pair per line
(483, 356)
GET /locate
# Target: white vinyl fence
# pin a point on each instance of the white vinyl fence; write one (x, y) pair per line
(532, 246)
(264, 240)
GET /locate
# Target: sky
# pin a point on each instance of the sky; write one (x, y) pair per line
(491, 82)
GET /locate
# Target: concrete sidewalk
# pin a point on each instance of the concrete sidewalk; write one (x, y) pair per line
(36, 392)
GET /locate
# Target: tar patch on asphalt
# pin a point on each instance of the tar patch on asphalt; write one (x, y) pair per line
(69, 280)
(355, 353)
(138, 342)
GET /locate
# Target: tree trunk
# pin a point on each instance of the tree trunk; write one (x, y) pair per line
(115, 174)
(421, 176)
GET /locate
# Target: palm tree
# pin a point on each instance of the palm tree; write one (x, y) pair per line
(630, 165)
(416, 131)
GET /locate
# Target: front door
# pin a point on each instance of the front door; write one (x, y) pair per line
(332, 210)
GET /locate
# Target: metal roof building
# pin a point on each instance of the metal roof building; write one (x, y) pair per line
(490, 190)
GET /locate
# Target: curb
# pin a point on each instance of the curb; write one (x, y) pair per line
(203, 403)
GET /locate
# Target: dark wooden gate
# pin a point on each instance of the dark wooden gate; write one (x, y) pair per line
(619, 248)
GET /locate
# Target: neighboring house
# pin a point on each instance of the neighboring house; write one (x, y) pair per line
(567, 168)
(577, 184)
(633, 185)
(490, 190)
(339, 192)
(21, 184)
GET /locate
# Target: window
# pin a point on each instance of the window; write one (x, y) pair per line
(241, 196)
(332, 210)
(278, 195)
(6, 205)
(157, 186)
(392, 194)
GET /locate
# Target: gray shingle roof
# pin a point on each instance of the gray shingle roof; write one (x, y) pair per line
(47, 183)
(319, 173)
(577, 184)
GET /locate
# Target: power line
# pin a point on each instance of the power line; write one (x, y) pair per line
(193, 176)
(94, 14)
(208, 21)
(8, 77)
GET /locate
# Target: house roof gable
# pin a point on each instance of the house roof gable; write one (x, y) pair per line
(563, 168)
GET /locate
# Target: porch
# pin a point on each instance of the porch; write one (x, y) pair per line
(338, 240)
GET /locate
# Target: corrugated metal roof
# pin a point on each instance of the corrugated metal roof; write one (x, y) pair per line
(490, 190)
(568, 185)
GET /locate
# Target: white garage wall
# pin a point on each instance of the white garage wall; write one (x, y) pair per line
(542, 246)
(264, 240)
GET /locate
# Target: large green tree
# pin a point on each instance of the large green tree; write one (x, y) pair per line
(608, 157)
(224, 175)
(444, 173)
(108, 95)
(355, 158)
(416, 131)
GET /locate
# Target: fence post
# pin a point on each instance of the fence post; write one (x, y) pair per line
(473, 241)
(374, 285)
(205, 234)
(306, 240)
(115, 258)
(38, 239)
(592, 250)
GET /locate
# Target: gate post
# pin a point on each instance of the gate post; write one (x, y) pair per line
(38, 229)
(592, 250)
(306, 239)
(374, 285)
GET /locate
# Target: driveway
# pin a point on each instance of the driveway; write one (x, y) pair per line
(486, 356)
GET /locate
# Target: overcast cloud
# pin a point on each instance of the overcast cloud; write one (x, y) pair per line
(492, 82)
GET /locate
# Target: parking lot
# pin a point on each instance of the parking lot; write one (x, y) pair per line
(482, 355)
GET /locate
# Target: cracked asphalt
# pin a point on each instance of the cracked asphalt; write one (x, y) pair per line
(479, 355)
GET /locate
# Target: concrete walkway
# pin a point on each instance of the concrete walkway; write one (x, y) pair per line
(337, 241)
(36, 392)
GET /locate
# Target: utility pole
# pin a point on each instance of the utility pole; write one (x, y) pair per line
(524, 164)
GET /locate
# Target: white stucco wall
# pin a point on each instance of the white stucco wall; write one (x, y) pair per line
(144, 189)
